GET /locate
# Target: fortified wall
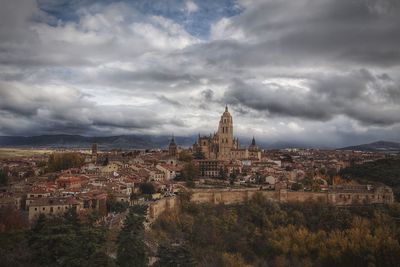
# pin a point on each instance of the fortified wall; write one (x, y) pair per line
(157, 207)
(335, 196)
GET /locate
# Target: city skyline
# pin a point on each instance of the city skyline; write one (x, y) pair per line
(323, 73)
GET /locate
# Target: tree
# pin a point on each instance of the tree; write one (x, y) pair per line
(296, 186)
(12, 219)
(65, 241)
(185, 156)
(189, 172)
(222, 173)
(3, 178)
(233, 260)
(106, 161)
(147, 188)
(174, 255)
(232, 177)
(114, 205)
(131, 248)
(63, 161)
(199, 155)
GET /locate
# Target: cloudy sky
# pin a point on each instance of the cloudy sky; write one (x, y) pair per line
(323, 72)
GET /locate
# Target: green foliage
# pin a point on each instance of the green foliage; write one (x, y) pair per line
(14, 250)
(12, 219)
(185, 156)
(385, 171)
(222, 173)
(296, 186)
(116, 206)
(189, 172)
(65, 241)
(131, 248)
(147, 188)
(3, 178)
(63, 161)
(265, 233)
(174, 255)
(199, 155)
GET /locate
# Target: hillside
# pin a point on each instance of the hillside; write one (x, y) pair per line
(264, 233)
(382, 146)
(386, 171)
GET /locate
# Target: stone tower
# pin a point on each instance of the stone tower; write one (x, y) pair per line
(172, 148)
(225, 135)
(94, 153)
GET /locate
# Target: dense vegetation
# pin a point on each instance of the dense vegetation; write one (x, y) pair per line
(264, 233)
(116, 206)
(55, 241)
(3, 178)
(69, 240)
(131, 248)
(385, 171)
(63, 161)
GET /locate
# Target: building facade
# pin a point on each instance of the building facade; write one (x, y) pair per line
(222, 145)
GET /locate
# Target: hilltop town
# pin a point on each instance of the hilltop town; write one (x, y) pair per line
(106, 181)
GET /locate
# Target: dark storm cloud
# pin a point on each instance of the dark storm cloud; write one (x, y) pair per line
(359, 95)
(298, 32)
(321, 71)
(154, 79)
(167, 100)
(207, 94)
(68, 111)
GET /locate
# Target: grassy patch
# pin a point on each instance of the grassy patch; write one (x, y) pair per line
(17, 153)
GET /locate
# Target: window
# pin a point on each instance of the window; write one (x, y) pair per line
(35, 208)
(44, 208)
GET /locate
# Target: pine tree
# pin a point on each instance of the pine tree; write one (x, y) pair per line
(175, 255)
(131, 248)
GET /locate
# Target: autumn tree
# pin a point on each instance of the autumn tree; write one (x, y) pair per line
(63, 161)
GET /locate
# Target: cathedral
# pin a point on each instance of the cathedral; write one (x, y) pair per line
(222, 145)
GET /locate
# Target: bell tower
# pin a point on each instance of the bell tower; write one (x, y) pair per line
(172, 148)
(225, 135)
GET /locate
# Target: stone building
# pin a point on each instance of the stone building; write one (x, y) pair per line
(94, 153)
(172, 148)
(51, 206)
(222, 145)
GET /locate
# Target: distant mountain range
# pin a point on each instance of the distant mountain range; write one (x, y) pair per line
(147, 142)
(383, 146)
(106, 142)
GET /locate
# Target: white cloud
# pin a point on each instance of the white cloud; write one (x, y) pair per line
(293, 126)
(191, 7)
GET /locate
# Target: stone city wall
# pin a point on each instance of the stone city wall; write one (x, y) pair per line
(226, 196)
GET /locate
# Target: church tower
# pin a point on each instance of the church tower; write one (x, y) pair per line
(172, 148)
(225, 135)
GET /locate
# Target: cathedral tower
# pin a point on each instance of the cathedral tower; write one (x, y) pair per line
(225, 135)
(172, 148)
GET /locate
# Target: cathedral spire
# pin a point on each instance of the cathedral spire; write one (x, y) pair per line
(172, 139)
(253, 142)
(226, 108)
